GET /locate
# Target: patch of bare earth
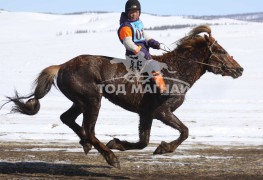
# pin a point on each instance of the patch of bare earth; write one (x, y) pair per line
(67, 161)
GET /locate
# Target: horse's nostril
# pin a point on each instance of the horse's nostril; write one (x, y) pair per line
(240, 70)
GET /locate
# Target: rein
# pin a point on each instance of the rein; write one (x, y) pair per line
(166, 48)
(202, 63)
(206, 64)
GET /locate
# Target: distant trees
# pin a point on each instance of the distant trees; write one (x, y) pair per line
(165, 27)
(254, 17)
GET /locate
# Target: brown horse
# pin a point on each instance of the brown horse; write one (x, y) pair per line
(86, 78)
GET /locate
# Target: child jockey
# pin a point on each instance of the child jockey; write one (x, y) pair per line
(135, 40)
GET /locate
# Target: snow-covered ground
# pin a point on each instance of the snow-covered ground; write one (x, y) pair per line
(217, 110)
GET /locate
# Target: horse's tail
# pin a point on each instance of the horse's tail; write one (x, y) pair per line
(43, 84)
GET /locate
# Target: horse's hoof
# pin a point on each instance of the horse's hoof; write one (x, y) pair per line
(115, 144)
(163, 148)
(116, 165)
(87, 148)
(111, 144)
(114, 162)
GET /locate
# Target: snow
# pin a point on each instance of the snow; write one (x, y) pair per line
(218, 110)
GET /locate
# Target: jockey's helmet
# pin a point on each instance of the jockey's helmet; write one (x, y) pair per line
(132, 5)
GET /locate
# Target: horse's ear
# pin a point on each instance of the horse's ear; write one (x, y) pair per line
(207, 38)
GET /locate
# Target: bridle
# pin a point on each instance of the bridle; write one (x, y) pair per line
(209, 59)
(210, 47)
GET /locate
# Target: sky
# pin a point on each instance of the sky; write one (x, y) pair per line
(160, 7)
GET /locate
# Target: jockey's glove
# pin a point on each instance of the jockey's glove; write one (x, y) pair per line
(154, 44)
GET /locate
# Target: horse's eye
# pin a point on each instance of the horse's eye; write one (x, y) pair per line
(221, 52)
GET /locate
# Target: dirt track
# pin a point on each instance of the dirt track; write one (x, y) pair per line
(55, 161)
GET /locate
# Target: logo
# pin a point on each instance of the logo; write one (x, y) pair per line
(137, 65)
(133, 7)
(139, 73)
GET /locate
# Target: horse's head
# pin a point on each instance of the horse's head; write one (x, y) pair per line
(220, 62)
(216, 59)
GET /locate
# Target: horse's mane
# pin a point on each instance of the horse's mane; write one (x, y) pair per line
(193, 38)
(191, 41)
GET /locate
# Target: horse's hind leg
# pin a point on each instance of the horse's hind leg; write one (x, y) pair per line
(91, 111)
(69, 118)
(144, 136)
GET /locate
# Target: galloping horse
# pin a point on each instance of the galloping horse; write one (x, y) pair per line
(80, 80)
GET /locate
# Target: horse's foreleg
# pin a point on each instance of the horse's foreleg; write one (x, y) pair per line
(69, 118)
(144, 135)
(170, 119)
(90, 118)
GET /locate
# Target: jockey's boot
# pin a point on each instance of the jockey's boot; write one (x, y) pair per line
(159, 81)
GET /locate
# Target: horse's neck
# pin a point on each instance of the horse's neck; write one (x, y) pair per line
(186, 70)
(189, 69)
